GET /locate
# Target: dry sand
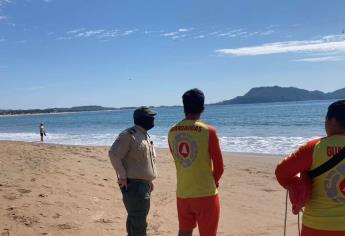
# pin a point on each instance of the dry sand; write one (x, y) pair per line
(71, 190)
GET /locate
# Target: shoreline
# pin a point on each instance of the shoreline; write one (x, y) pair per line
(245, 154)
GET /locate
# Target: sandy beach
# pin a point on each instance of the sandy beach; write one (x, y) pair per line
(71, 190)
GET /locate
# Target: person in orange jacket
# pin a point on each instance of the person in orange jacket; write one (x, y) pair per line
(324, 213)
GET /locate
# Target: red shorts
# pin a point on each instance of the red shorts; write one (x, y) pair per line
(306, 231)
(203, 211)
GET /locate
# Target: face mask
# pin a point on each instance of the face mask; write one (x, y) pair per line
(147, 122)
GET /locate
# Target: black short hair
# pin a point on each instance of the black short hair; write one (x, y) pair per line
(193, 101)
(337, 110)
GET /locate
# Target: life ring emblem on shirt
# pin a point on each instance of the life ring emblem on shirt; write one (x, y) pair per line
(186, 149)
(334, 184)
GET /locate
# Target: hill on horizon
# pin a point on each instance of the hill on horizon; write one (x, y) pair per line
(282, 94)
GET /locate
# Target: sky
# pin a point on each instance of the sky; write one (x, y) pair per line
(64, 53)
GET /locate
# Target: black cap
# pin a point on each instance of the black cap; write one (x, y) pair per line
(143, 111)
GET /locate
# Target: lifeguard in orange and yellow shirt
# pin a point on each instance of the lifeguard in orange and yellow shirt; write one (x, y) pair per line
(199, 166)
(324, 213)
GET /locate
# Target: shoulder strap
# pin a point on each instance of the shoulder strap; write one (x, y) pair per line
(332, 162)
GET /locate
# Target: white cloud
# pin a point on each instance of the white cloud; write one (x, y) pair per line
(179, 36)
(109, 34)
(75, 31)
(128, 32)
(324, 54)
(238, 33)
(148, 32)
(201, 36)
(250, 34)
(3, 2)
(321, 45)
(333, 37)
(322, 59)
(169, 34)
(214, 33)
(98, 34)
(224, 34)
(89, 33)
(183, 30)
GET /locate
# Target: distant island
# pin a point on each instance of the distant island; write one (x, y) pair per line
(282, 94)
(255, 95)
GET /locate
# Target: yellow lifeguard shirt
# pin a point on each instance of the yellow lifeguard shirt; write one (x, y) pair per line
(189, 143)
(326, 208)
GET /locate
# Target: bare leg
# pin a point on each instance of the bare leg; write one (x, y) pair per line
(185, 233)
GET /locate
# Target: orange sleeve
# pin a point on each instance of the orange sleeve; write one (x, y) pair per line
(298, 162)
(215, 154)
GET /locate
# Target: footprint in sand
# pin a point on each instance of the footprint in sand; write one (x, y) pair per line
(268, 190)
(12, 196)
(42, 195)
(106, 221)
(11, 208)
(56, 216)
(66, 226)
(21, 190)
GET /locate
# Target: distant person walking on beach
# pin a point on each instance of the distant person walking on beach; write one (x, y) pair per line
(133, 158)
(322, 189)
(199, 166)
(42, 131)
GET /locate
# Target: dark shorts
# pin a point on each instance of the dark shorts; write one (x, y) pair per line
(41, 134)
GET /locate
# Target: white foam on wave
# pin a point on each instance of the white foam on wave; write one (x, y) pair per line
(60, 138)
(275, 145)
(27, 137)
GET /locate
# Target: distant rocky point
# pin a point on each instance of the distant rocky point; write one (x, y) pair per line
(282, 94)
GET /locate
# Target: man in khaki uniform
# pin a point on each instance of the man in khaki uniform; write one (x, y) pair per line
(133, 158)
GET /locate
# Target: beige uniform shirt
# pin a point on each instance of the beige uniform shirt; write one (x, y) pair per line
(133, 155)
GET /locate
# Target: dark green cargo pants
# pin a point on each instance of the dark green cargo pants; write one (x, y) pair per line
(137, 202)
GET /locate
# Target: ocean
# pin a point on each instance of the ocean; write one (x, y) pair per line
(270, 128)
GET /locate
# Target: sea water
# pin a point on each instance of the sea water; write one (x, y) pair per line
(269, 128)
